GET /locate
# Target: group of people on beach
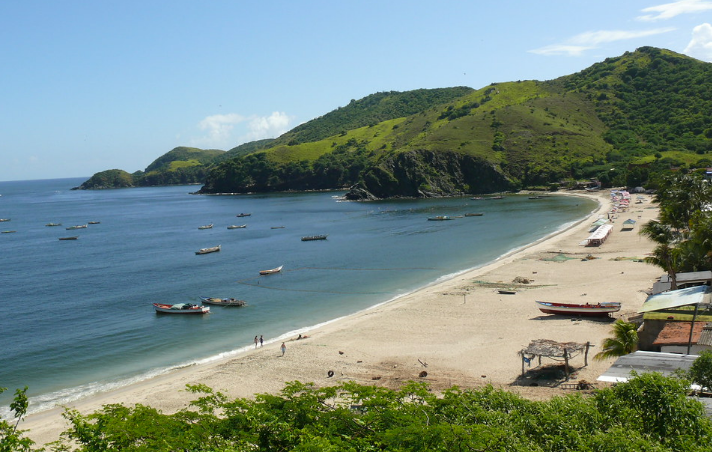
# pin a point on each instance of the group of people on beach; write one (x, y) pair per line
(260, 341)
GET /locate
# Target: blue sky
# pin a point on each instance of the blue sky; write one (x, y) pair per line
(93, 85)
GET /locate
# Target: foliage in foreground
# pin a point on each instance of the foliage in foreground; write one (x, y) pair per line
(649, 413)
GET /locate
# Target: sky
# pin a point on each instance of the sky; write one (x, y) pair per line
(88, 86)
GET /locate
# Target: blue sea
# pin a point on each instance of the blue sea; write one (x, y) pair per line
(76, 317)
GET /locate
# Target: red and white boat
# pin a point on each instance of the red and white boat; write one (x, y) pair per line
(603, 309)
(180, 308)
(271, 271)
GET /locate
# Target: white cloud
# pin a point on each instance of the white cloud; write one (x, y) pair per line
(576, 45)
(700, 46)
(270, 126)
(670, 10)
(229, 130)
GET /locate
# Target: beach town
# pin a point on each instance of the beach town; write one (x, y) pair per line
(470, 331)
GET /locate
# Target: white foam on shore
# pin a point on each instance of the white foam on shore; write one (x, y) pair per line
(66, 396)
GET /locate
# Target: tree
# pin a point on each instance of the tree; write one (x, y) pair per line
(11, 439)
(701, 370)
(624, 341)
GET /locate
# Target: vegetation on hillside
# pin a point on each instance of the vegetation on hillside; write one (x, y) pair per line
(648, 413)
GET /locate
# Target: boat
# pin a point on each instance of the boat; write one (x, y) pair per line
(277, 227)
(313, 237)
(53, 224)
(94, 222)
(223, 301)
(212, 249)
(439, 218)
(207, 226)
(74, 237)
(180, 308)
(474, 214)
(588, 310)
(8, 232)
(476, 198)
(272, 271)
(496, 197)
(2, 220)
(79, 226)
(234, 226)
(240, 215)
(507, 291)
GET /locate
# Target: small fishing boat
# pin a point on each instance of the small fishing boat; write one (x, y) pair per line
(272, 271)
(212, 249)
(474, 214)
(53, 224)
(69, 238)
(313, 237)
(94, 222)
(79, 226)
(180, 308)
(507, 291)
(223, 301)
(602, 309)
(207, 226)
(2, 220)
(496, 197)
(8, 232)
(235, 226)
(277, 227)
(439, 218)
(240, 215)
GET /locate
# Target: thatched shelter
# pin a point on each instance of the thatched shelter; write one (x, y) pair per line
(554, 350)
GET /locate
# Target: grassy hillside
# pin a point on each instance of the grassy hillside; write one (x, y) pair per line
(625, 121)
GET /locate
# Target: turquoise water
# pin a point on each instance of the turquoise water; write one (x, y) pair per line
(76, 316)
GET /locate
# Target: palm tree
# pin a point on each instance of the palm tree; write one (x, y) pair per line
(624, 341)
(665, 255)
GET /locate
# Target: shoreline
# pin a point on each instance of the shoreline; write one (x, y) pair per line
(450, 324)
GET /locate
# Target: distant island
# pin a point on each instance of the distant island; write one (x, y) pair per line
(604, 123)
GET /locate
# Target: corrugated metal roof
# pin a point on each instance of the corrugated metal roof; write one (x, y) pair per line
(706, 336)
(689, 276)
(676, 298)
(642, 362)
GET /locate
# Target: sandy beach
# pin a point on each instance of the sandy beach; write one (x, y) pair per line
(460, 331)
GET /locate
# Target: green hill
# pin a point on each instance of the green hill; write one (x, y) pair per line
(623, 121)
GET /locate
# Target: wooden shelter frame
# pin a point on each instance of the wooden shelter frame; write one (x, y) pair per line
(554, 350)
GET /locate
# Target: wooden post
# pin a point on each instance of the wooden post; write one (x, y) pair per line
(692, 327)
(566, 364)
(522, 364)
(539, 356)
(585, 355)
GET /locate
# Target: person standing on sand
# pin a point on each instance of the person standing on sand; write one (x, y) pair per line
(283, 348)
(261, 341)
(256, 341)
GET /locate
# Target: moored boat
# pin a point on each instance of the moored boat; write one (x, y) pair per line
(474, 214)
(223, 301)
(207, 226)
(602, 309)
(74, 237)
(212, 249)
(79, 226)
(53, 224)
(8, 232)
(439, 218)
(180, 308)
(314, 237)
(94, 222)
(2, 220)
(235, 226)
(271, 271)
(240, 215)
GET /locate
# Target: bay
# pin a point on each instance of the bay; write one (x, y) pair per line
(76, 317)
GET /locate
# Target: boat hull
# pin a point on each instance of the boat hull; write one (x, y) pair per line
(223, 301)
(213, 249)
(583, 310)
(271, 272)
(169, 309)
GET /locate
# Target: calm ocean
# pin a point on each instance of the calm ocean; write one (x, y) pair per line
(76, 316)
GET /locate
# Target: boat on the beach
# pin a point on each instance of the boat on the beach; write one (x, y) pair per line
(271, 271)
(474, 214)
(507, 291)
(602, 309)
(439, 218)
(180, 308)
(240, 215)
(74, 237)
(309, 238)
(223, 301)
(53, 224)
(235, 226)
(212, 249)
(207, 226)
(79, 226)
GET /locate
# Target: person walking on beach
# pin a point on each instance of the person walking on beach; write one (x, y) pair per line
(256, 341)
(261, 341)
(283, 348)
